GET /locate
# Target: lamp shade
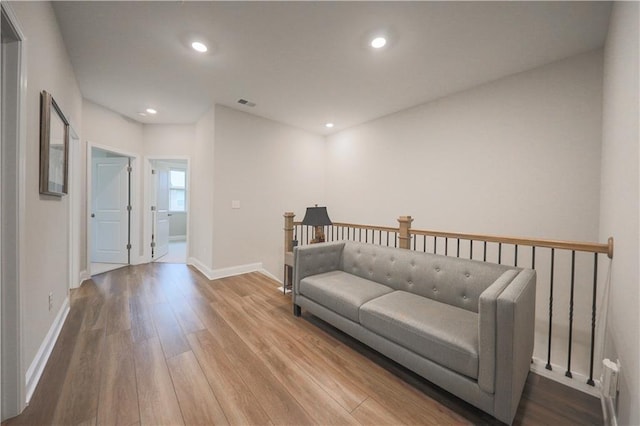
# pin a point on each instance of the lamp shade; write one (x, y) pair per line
(316, 216)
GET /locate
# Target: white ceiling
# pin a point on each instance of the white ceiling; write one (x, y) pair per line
(307, 63)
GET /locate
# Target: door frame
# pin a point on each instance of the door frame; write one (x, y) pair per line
(13, 398)
(148, 197)
(134, 230)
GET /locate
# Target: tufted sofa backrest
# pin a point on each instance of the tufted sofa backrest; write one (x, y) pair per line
(457, 282)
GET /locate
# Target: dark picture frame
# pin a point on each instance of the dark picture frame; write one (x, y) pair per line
(54, 147)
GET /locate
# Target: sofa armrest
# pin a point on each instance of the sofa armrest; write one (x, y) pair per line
(315, 259)
(514, 342)
(487, 329)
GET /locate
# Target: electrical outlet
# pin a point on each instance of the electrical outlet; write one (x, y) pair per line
(50, 301)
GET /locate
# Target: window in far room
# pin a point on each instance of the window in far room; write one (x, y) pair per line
(177, 190)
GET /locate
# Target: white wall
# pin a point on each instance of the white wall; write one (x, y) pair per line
(168, 140)
(45, 218)
(619, 213)
(201, 188)
(270, 168)
(517, 156)
(110, 129)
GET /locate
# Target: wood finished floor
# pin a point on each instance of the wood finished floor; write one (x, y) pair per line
(160, 344)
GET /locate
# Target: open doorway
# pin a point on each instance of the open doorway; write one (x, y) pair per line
(110, 217)
(168, 194)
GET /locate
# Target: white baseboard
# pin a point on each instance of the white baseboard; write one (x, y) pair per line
(270, 275)
(206, 271)
(34, 372)
(84, 275)
(578, 382)
(214, 274)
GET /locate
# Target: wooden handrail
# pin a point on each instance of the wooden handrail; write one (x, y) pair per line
(537, 242)
(525, 241)
(356, 226)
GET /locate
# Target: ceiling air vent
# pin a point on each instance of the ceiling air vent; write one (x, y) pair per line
(246, 102)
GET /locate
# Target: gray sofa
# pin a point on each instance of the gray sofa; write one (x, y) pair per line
(466, 326)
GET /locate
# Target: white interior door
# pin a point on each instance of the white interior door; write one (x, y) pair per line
(161, 225)
(110, 217)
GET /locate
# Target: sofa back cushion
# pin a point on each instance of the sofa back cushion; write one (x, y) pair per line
(457, 282)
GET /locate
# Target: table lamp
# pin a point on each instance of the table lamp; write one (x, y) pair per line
(318, 218)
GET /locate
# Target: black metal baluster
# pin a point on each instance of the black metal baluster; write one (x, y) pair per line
(366, 235)
(470, 249)
(395, 239)
(424, 243)
(573, 270)
(458, 247)
(499, 253)
(548, 366)
(414, 242)
(533, 257)
(515, 256)
(387, 238)
(593, 317)
(435, 243)
(446, 246)
(484, 255)
(359, 235)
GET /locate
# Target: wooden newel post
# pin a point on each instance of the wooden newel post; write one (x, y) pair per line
(405, 231)
(288, 231)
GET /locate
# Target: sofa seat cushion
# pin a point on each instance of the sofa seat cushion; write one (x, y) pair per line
(341, 292)
(442, 333)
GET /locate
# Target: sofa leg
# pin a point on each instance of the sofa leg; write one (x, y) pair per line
(297, 310)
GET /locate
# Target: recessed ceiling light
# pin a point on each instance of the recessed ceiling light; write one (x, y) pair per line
(378, 42)
(329, 125)
(151, 111)
(199, 46)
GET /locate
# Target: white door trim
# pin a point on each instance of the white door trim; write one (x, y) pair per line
(148, 200)
(12, 399)
(135, 206)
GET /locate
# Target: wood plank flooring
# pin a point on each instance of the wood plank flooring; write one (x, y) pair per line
(159, 344)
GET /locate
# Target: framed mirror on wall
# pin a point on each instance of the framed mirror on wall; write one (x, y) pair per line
(54, 147)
